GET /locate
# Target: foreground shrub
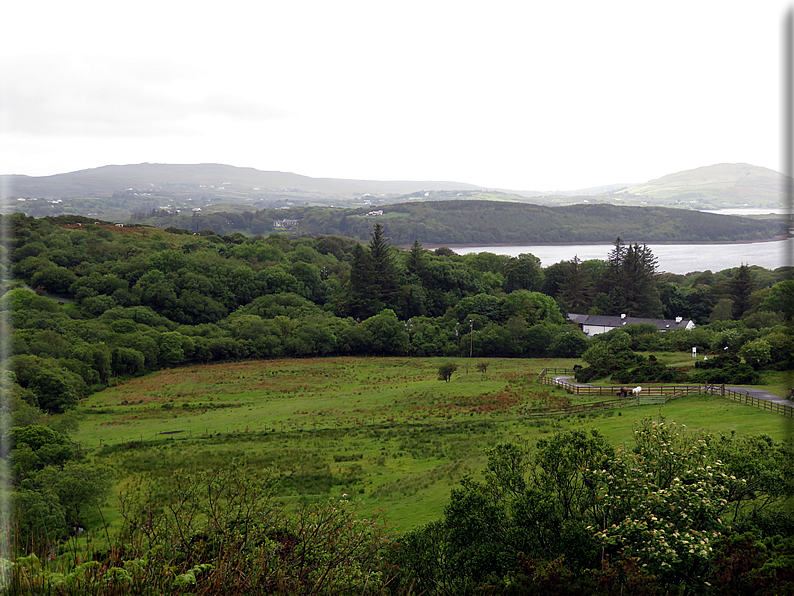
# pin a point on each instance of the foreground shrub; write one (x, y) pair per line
(577, 516)
(220, 533)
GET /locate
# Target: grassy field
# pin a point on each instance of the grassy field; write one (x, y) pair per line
(385, 431)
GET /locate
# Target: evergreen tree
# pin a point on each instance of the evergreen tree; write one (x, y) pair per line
(632, 280)
(741, 288)
(362, 289)
(575, 286)
(413, 297)
(383, 264)
(639, 282)
(373, 276)
(416, 262)
(615, 260)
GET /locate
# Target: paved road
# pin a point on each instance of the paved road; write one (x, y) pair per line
(758, 393)
(761, 394)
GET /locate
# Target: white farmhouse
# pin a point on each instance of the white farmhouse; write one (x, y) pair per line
(595, 324)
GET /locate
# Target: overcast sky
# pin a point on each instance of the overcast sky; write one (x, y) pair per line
(523, 95)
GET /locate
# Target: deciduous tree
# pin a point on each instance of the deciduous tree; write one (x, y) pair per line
(446, 370)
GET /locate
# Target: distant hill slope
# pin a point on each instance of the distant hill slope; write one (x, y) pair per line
(490, 222)
(475, 222)
(207, 178)
(718, 186)
(114, 192)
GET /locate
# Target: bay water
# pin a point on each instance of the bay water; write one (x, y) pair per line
(672, 258)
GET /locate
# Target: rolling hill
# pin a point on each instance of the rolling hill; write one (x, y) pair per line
(718, 186)
(115, 192)
(205, 178)
(484, 223)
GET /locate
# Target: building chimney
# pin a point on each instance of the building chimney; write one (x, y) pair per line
(623, 316)
(679, 319)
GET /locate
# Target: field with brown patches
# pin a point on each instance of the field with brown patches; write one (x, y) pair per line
(385, 430)
(319, 387)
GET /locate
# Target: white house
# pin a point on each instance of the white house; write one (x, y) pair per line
(595, 324)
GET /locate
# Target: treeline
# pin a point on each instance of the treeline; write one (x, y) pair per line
(141, 299)
(487, 223)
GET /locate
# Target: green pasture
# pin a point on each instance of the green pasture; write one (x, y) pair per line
(385, 431)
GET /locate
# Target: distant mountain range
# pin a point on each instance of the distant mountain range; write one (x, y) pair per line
(114, 192)
(206, 178)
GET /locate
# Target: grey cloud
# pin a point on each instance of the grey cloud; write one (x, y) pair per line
(120, 98)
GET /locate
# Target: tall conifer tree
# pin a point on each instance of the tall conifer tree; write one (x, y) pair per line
(632, 280)
(416, 262)
(373, 276)
(575, 288)
(741, 288)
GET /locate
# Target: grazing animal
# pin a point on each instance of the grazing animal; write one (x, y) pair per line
(636, 391)
(624, 391)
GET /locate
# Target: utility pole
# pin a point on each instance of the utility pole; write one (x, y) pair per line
(471, 342)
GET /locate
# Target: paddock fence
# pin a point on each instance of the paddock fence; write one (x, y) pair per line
(750, 400)
(654, 395)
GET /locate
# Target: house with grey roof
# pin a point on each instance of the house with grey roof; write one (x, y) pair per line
(595, 324)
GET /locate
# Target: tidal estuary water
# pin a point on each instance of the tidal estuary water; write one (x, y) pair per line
(673, 258)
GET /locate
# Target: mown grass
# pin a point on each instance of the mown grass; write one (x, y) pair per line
(384, 431)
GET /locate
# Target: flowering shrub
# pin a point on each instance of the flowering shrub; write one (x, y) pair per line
(577, 516)
(667, 499)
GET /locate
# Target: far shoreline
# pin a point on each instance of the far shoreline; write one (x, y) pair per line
(434, 246)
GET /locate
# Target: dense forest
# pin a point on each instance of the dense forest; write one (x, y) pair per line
(90, 304)
(482, 223)
(136, 299)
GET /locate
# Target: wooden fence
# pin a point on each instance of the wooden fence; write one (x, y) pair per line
(665, 392)
(555, 371)
(577, 408)
(748, 399)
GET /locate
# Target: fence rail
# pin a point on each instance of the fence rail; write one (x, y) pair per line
(667, 391)
(577, 408)
(750, 400)
(555, 371)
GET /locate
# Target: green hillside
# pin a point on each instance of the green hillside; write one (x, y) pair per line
(114, 192)
(478, 222)
(211, 180)
(712, 187)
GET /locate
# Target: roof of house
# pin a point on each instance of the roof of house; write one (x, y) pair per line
(577, 318)
(614, 321)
